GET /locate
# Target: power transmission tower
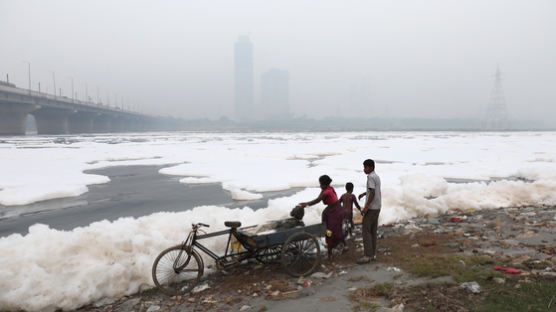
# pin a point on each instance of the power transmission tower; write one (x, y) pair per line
(497, 112)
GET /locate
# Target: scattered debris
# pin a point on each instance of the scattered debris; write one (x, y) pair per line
(321, 275)
(200, 288)
(471, 287)
(507, 270)
(153, 308)
(499, 280)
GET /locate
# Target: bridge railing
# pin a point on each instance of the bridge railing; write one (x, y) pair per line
(61, 98)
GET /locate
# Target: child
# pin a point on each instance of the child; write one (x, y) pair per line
(332, 216)
(347, 200)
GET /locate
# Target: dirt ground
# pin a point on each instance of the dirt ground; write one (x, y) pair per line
(452, 262)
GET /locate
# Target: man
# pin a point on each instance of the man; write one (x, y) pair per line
(370, 212)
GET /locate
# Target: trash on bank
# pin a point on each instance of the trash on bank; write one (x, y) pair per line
(321, 275)
(509, 270)
(200, 288)
(471, 286)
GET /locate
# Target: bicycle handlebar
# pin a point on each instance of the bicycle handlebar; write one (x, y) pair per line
(201, 224)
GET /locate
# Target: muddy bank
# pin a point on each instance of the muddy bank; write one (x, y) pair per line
(454, 262)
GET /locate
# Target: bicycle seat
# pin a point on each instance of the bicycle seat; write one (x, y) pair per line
(232, 224)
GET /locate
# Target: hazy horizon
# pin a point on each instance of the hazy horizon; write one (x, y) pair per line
(401, 59)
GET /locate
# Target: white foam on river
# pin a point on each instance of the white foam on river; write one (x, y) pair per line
(49, 269)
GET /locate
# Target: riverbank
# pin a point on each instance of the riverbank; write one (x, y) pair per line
(453, 262)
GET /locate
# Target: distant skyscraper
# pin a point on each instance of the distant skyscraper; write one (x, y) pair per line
(497, 113)
(275, 93)
(243, 74)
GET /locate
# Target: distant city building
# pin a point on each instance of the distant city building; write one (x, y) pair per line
(275, 93)
(243, 74)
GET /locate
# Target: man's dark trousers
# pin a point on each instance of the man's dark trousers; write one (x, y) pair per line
(370, 227)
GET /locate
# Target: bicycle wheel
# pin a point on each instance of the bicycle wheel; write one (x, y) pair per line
(300, 254)
(176, 270)
(269, 255)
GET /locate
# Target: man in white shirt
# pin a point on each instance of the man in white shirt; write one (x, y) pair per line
(370, 212)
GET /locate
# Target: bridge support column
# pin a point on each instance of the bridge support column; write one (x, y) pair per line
(102, 124)
(52, 120)
(117, 124)
(13, 118)
(81, 122)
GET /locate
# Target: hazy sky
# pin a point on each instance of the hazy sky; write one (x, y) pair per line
(418, 58)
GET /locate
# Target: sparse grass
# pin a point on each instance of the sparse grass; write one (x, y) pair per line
(462, 269)
(536, 264)
(362, 299)
(537, 296)
(382, 289)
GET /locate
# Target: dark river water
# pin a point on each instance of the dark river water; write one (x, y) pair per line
(133, 191)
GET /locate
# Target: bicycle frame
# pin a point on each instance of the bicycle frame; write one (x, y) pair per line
(193, 241)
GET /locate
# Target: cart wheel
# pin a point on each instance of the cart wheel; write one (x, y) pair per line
(176, 270)
(300, 254)
(269, 255)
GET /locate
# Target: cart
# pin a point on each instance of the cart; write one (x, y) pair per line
(178, 269)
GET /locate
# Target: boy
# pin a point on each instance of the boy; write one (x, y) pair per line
(347, 200)
(370, 212)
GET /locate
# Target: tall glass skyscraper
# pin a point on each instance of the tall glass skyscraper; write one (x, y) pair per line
(243, 74)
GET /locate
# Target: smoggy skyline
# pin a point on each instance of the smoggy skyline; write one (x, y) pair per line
(422, 59)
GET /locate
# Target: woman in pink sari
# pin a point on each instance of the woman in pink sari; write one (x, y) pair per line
(332, 216)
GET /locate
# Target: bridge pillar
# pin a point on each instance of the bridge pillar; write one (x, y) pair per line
(102, 124)
(13, 118)
(52, 120)
(117, 124)
(81, 122)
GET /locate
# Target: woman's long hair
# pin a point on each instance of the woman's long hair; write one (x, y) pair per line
(325, 180)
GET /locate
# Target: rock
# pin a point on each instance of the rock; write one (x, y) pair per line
(548, 274)
(321, 275)
(245, 308)
(499, 280)
(352, 289)
(471, 287)
(510, 242)
(414, 245)
(200, 288)
(275, 293)
(396, 308)
(393, 269)
(490, 252)
(129, 304)
(103, 302)
(153, 308)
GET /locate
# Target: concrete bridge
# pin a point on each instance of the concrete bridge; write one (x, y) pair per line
(62, 115)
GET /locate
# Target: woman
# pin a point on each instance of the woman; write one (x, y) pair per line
(332, 216)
